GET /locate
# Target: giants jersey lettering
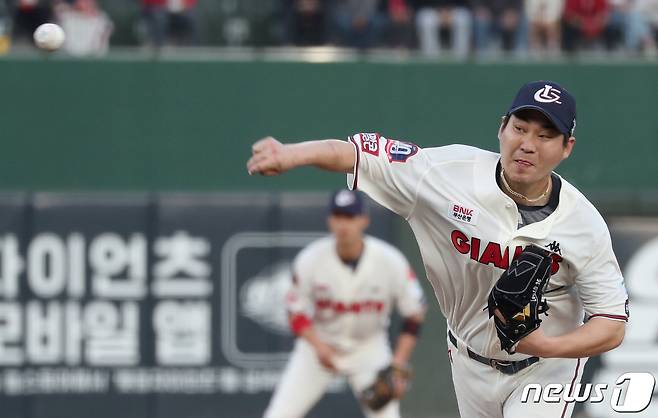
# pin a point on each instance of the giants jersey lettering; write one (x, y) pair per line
(467, 232)
(492, 252)
(348, 306)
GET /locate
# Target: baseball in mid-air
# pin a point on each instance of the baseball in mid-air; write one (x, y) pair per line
(49, 37)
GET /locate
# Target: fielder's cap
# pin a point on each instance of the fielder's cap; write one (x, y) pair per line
(347, 202)
(552, 100)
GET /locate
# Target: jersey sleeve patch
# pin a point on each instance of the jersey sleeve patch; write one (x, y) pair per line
(400, 151)
(370, 143)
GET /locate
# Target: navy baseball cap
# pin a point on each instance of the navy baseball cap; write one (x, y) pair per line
(552, 100)
(347, 202)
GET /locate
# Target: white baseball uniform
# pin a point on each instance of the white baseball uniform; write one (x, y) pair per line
(349, 309)
(467, 231)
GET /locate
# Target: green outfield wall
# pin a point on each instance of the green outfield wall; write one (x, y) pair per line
(141, 125)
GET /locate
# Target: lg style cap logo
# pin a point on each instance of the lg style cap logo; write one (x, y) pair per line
(548, 94)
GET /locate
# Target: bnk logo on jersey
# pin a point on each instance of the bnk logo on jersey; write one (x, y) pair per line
(462, 213)
(370, 144)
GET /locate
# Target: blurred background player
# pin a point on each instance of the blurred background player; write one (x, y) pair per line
(344, 289)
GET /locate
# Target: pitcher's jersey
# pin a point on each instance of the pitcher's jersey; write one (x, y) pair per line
(467, 232)
(348, 306)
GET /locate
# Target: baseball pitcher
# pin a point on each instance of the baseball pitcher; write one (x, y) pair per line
(520, 261)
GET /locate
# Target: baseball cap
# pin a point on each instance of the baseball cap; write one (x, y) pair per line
(346, 202)
(552, 100)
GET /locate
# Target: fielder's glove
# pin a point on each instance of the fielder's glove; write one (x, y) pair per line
(385, 387)
(515, 301)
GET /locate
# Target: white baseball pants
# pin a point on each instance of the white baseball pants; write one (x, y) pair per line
(483, 391)
(305, 380)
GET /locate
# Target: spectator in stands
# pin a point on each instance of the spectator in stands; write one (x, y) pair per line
(172, 22)
(544, 18)
(27, 16)
(154, 15)
(433, 17)
(87, 27)
(182, 23)
(641, 26)
(5, 28)
(357, 23)
(586, 24)
(400, 25)
(619, 11)
(503, 18)
(306, 23)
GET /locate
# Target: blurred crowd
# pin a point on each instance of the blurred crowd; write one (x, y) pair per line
(89, 28)
(434, 28)
(477, 27)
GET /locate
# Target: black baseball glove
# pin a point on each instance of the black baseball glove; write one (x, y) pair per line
(385, 388)
(515, 302)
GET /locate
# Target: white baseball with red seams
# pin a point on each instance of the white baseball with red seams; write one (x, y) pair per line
(49, 37)
(468, 231)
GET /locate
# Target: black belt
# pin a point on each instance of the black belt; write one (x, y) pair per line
(505, 367)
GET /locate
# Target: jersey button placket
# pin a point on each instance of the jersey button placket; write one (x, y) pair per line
(513, 219)
(512, 216)
(351, 286)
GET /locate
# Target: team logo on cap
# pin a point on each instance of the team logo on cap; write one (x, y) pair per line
(548, 94)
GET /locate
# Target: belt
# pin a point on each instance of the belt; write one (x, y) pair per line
(505, 367)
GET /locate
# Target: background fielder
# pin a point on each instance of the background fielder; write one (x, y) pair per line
(344, 289)
(471, 211)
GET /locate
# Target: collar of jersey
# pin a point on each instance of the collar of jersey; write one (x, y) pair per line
(491, 196)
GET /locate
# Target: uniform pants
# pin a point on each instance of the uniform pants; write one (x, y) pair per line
(305, 380)
(483, 391)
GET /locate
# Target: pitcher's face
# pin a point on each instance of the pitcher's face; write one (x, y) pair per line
(531, 148)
